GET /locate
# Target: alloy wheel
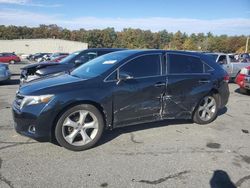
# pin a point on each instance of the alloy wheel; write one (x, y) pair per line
(207, 108)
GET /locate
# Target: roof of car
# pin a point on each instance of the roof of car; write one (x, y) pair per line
(105, 49)
(139, 51)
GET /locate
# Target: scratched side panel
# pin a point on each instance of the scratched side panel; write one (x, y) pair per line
(137, 100)
(183, 94)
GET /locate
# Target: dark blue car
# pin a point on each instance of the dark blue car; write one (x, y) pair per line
(120, 89)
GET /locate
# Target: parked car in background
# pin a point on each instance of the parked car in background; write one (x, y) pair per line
(31, 56)
(24, 56)
(57, 59)
(56, 55)
(11, 58)
(41, 56)
(229, 63)
(39, 70)
(5, 73)
(120, 89)
(243, 80)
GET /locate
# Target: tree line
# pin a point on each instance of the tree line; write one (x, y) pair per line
(131, 38)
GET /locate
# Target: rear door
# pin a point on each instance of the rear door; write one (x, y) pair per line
(139, 99)
(187, 84)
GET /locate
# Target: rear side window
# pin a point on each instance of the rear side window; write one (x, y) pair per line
(87, 56)
(143, 66)
(183, 64)
(103, 52)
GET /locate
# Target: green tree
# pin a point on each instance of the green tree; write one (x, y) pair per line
(189, 44)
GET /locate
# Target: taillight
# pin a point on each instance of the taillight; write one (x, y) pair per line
(226, 78)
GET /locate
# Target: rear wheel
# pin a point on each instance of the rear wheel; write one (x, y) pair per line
(207, 110)
(12, 62)
(79, 128)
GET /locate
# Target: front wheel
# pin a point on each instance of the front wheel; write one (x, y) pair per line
(79, 128)
(244, 91)
(207, 110)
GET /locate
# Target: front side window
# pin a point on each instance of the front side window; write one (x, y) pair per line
(222, 60)
(143, 66)
(184, 64)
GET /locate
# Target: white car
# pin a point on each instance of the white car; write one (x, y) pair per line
(229, 63)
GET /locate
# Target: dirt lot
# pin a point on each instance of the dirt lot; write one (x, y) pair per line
(163, 154)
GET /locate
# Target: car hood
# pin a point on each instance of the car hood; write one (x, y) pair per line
(40, 65)
(64, 81)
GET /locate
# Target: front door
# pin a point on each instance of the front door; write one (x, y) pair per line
(138, 99)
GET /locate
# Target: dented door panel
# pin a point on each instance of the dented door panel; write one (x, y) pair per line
(183, 92)
(138, 100)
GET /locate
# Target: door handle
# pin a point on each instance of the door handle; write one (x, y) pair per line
(160, 84)
(204, 81)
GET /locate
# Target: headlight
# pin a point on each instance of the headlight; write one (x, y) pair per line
(31, 100)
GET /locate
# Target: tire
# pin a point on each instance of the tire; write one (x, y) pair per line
(204, 107)
(79, 128)
(244, 91)
(12, 62)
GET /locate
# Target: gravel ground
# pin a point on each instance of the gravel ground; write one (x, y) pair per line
(163, 154)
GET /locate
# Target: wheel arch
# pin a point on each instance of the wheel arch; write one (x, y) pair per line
(213, 91)
(65, 108)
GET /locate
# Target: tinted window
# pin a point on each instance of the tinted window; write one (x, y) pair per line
(70, 57)
(85, 57)
(207, 68)
(182, 64)
(103, 52)
(222, 59)
(147, 65)
(112, 77)
(213, 56)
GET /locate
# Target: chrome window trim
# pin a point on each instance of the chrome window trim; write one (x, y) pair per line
(118, 68)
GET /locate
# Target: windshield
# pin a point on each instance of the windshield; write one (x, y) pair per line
(98, 65)
(69, 57)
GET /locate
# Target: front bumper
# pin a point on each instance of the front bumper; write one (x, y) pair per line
(34, 121)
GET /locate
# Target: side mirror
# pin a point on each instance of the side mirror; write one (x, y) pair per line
(123, 77)
(78, 62)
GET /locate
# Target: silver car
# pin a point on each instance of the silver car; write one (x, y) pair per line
(5, 73)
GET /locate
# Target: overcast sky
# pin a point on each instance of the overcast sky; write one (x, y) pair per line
(231, 17)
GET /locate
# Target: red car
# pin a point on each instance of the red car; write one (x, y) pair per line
(9, 58)
(243, 80)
